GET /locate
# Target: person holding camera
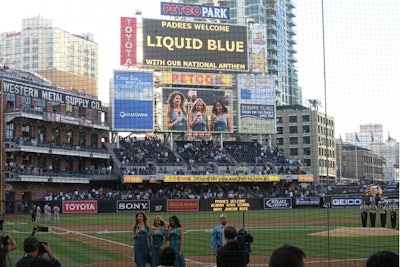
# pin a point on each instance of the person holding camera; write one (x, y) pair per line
(232, 254)
(32, 257)
(7, 245)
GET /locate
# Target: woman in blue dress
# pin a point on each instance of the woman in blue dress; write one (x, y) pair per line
(197, 119)
(175, 236)
(158, 240)
(220, 118)
(141, 236)
(176, 113)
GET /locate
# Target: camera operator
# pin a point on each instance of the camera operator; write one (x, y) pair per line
(7, 245)
(232, 254)
(32, 258)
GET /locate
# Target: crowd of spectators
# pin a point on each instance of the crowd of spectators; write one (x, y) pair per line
(204, 157)
(189, 191)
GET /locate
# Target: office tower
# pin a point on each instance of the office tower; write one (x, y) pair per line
(68, 60)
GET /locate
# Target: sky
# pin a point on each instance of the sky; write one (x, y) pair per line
(355, 75)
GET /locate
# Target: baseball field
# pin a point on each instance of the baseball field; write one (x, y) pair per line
(329, 237)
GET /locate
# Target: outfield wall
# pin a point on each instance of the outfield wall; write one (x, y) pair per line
(187, 205)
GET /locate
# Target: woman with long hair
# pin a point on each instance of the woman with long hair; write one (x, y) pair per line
(176, 113)
(197, 118)
(141, 236)
(220, 118)
(175, 236)
(158, 243)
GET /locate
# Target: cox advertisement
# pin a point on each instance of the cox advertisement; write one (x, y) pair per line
(132, 98)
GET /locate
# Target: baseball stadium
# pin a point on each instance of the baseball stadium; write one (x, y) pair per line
(202, 129)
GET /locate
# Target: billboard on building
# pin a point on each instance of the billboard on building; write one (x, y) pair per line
(195, 11)
(258, 48)
(132, 101)
(199, 111)
(128, 41)
(194, 45)
(256, 96)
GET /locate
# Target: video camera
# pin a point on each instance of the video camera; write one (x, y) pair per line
(244, 239)
(40, 229)
(4, 240)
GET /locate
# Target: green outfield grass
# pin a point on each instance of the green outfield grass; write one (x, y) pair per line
(269, 229)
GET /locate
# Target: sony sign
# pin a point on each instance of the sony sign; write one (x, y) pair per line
(133, 205)
(346, 202)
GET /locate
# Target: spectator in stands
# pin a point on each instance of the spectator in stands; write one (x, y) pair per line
(198, 118)
(220, 118)
(176, 113)
(383, 259)
(287, 255)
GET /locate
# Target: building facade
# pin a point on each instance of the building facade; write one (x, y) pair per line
(50, 136)
(68, 60)
(309, 136)
(356, 163)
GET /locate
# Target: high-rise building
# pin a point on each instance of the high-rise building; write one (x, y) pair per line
(278, 16)
(68, 60)
(309, 136)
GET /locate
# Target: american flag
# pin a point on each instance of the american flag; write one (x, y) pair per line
(373, 190)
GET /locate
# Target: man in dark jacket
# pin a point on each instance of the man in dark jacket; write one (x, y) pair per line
(32, 257)
(232, 254)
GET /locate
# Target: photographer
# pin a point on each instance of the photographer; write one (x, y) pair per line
(7, 245)
(232, 254)
(32, 258)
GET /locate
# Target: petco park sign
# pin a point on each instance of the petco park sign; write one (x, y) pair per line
(197, 11)
(89, 206)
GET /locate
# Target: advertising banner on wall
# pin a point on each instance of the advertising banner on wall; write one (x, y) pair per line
(197, 110)
(194, 45)
(258, 48)
(256, 104)
(128, 41)
(132, 101)
(193, 78)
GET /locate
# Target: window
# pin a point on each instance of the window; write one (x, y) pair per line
(293, 119)
(306, 140)
(294, 152)
(293, 129)
(69, 110)
(279, 130)
(293, 140)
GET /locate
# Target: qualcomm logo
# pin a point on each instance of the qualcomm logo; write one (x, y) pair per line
(133, 114)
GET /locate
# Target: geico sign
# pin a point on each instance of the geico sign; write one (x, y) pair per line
(133, 205)
(346, 202)
(80, 207)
